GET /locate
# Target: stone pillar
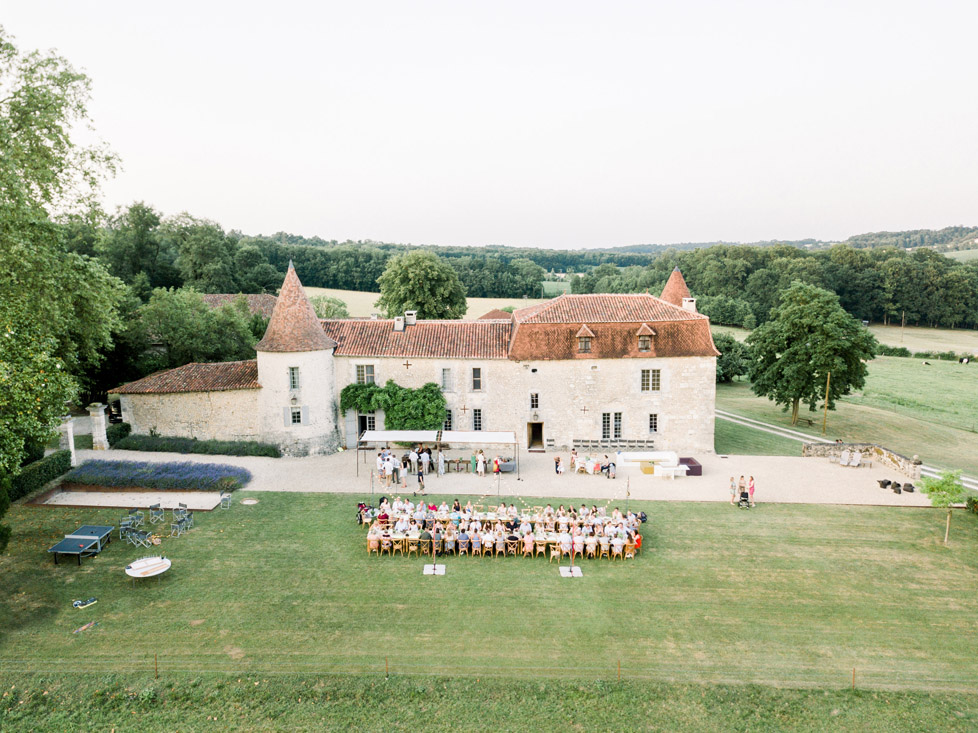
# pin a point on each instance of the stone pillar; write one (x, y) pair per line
(96, 411)
(67, 439)
(915, 469)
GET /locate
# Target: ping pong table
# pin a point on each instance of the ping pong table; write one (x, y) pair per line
(89, 539)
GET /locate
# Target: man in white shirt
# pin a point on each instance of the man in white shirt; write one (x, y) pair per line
(425, 461)
(402, 525)
(413, 457)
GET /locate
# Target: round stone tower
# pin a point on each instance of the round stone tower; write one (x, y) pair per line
(297, 401)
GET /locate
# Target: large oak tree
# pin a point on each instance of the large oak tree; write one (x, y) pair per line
(809, 336)
(421, 281)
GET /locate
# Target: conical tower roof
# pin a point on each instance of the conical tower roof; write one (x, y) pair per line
(675, 289)
(294, 325)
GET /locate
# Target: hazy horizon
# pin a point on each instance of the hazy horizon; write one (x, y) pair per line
(544, 124)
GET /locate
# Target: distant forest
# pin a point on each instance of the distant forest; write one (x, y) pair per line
(885, 277)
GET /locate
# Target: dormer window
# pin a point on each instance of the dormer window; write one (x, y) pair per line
(584, 336)
(645, 334)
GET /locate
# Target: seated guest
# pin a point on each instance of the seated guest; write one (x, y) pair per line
(443, 509)
(528, 540)
(591, 543)
(512, 511)
(463, 536)
(456, 507)
(402, 525)
(582, 512)
(436, 542)
(383, 517)
(565, 542)
(617, 543)
(525, 527)
(548, 510)
(476, 543)
(578, 543)
(616, 515)
(468, 508)
(413, 527)
(454, 517)
(450, 540)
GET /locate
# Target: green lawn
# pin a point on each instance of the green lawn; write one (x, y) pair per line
(739, 440)
(785, 595)
(930, 411)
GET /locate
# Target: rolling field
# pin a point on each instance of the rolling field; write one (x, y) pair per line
(962, 341)
(930, 411)
(361, 304)
(784, 596)
(963, 255)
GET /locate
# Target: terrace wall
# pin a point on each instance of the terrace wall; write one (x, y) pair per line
(877, 453)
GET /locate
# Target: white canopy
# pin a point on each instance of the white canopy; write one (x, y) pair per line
(477, 436)
(399, 436)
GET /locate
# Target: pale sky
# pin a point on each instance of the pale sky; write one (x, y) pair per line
(545, 124)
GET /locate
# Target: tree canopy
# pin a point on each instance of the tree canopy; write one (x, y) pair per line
(421, 281)
(57, 307)
(733, 358)
(327, 306)
(809, 336)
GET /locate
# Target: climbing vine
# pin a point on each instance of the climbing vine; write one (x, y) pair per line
(404, 408)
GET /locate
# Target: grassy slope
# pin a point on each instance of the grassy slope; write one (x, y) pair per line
(787, 595)
(739, 440)
(254, 702)
(362, 304)
(906, 406)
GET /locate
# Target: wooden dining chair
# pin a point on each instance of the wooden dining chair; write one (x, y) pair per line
(373, 545)
(604, 550)
(463, 547)
(412, 546)
(630, 551)
(617, 552)
(386, 545)
(512, 547)
(591, 550)
(554, 551)
(398, 546)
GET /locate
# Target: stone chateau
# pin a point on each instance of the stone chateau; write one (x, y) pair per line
(624, 371)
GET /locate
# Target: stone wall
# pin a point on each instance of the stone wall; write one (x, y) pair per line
(878, 454)
(684, 403)
(230, 415)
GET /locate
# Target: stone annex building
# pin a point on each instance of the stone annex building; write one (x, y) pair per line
(628, 370)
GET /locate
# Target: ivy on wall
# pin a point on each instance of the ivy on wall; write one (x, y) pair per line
(404, 408)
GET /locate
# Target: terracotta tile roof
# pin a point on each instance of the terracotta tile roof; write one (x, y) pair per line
(675, 289)
(294, 326)
(545, 341)
(646, 330)
(496, 315)
(607, 308)
(197, 378)
(480, 339)
(257, 303)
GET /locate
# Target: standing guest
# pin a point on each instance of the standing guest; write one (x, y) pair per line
(495, 466)
(480, 462)
(741, 486)
(557, 465)
(573, 460)
(421, 478)
(413, 457)
(380, 464)
(733, 489)
(750, 490)
(560, 466)
(441, 463)
(425, 457)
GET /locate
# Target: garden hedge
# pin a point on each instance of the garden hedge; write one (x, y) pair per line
(116, 432)
(34, 475)
(192, 445)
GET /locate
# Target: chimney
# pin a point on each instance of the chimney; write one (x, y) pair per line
(399, 323)
(689, 304)
(374, 316)
(410, 318)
